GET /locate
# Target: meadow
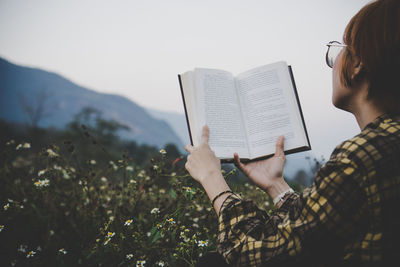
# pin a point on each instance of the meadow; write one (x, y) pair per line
(72, 203)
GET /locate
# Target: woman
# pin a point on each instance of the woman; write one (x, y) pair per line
(349, 216)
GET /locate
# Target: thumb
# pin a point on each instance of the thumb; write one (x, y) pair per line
(205, 135)
(279, 149)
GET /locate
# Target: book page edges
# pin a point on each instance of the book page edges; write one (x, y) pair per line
(185, 106)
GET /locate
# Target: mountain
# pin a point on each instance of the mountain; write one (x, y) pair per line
(47, 99)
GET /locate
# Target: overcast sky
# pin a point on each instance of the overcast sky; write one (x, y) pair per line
(136, 48)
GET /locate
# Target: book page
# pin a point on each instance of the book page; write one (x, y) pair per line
(270, 109)
(219, 108)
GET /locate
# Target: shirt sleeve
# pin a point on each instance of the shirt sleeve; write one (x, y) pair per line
(306, 226)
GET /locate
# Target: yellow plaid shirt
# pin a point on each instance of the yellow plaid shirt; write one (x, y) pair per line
(349, 216)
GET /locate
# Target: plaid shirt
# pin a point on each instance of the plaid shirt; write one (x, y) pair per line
(349, 216)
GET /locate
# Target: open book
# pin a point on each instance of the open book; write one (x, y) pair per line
(245, 113)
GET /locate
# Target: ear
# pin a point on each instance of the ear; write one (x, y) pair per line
(357, 68)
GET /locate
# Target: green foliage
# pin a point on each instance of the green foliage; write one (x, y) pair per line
(56, 211)
(84, 197)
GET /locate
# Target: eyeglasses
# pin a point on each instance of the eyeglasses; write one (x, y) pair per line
(334, 48)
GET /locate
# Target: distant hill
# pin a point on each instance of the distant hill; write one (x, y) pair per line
(53, 100)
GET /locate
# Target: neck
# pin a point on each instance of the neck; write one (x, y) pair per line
(365, 110)
(367, 115)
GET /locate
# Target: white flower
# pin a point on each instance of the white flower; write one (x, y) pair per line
(26, 145)
(42, 183)
(18, 146)
(132, 181)
(140, 263)
(31, 254)
(129, 168)
(93, 162)
(160, 263)
(1, 227)
(62, 250)
(56, 167)
(65, 174)
(22, 248)
(11, 142)
(155, 211)
(110, 234)
(103, 179)
(129, 256)
(162, 191)
(106, 242)
(171, 220)
(51, 153)
(41, 172)
(189, 190)
(202, 243)
(155, 167)
(6, 206)
(163, 152)
(128, 222)
(10, 200)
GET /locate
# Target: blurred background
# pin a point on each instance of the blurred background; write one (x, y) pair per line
(113, 65)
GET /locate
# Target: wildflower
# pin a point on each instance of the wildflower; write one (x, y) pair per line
(65, 174)
(1, 227)
(93, 162)
(51, 153)
(110, 234)
(171, 220)
(111, 218)
(142, 173)
(62, 250)
(42, 183)
(113, 165)
(11, 142)
(162, 191)
(158, 225)
(6, 206)
(107, 241)
(189, 190)
(51, 232)
(129, 168)
(160, 263)
(128, 222)
(72, 169)
(129, 256)
(31, 254)
(196, 219)
(132, 181)
(155, 211)
(155, 167)
(18, 147)
(176, 160)
(57, 168)
(202, 243)
(140, 263)
(22, 248)
(26, 145)
(173, 174)
(163, 152)
(41, 172)
(103, 179)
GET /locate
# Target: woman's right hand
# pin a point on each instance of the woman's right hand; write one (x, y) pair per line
(266, 173)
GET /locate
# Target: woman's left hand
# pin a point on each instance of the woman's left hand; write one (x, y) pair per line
(202, 162)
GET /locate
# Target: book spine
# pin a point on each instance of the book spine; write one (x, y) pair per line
(301, 114)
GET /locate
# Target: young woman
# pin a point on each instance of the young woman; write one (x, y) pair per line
(349, 216)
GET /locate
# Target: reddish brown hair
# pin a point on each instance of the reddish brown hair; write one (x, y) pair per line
(373, 37)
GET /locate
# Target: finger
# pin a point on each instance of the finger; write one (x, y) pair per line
(237, 161)
(205, 135)
(279, 150)
(189, 148)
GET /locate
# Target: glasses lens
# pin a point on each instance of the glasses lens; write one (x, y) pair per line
(333, 52)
